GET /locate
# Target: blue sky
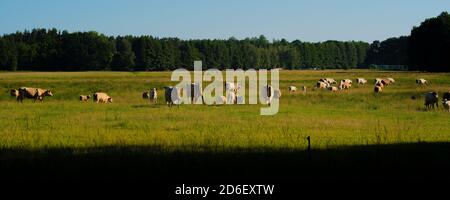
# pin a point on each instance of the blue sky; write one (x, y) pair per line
(307, 20)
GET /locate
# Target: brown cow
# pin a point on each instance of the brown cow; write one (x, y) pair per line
(33, 93)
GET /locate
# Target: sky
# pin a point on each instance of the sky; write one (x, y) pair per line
(306, 20)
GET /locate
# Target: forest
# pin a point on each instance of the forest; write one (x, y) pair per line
(425, 49)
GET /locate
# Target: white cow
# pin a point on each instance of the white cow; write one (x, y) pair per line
(421, 81)
(292, 89)
(361, 81)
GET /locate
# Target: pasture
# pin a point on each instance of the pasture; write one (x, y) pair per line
(356, 118)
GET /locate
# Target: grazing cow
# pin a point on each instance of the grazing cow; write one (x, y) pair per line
(446, 95)
(377, 89)
(267, 93)
(101, 97)
(292, 89)
(333, 88)
(379, 84)
(85, 98)
(14, 93)
(146, 95)
(446, 104)
(392, 80)
(377, 80)
(345, 85)
(386, 82)
(347, 81)
(33, 93)
(277, 94)
(328, 80)
(431, 98)
(322, 85)
(172, 95)
(153, 95)
(196, 93)
(421, 82)
(221, 100)
(361, 81)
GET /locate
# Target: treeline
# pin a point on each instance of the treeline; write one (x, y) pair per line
(53, 50)
(426, 49)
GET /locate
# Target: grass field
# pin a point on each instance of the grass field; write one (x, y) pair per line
(341, 120)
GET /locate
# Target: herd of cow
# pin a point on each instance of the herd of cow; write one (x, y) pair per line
(172, 94)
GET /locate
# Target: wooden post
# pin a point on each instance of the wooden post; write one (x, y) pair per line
(309, 147)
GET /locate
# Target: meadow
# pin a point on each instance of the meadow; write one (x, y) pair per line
(356, 117)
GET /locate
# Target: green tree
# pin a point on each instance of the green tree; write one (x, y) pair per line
(123, 59)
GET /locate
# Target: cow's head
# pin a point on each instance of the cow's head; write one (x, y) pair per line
(14, 92)
(110, 100)
(434, 94)
(48, 93)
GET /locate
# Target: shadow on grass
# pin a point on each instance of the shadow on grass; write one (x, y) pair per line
(373, 162)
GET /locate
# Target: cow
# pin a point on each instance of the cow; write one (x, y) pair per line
(231, 90)
(292, 89)
(85, 98)
(446, 96)
(267, 93)
(446, 104)
(146, 95)
(377, 89)
(33, 93)
(377, 80)
(322, 85)
(328, 80)
(379, 84)
(431, 98)
(345, 85)
(421, 81)
(101, 97)
(196, 92)
(386, 82)
(153, 95)
(361, 81)
(391, 80)
(172, 95)
(347, 81)
(333, 88)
